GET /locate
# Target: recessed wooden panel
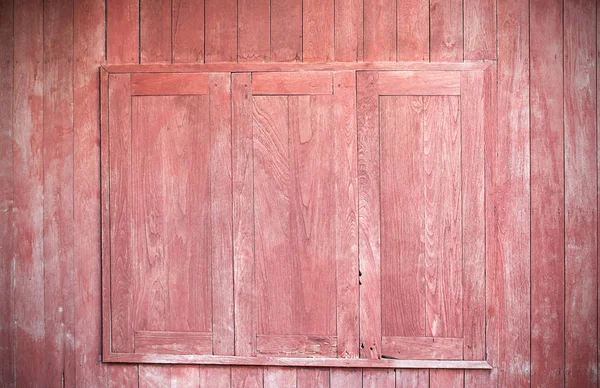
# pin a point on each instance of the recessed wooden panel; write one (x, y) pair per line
(171, 342)
(292, 83)
(422, 348)
(296, 345)
(143, 84)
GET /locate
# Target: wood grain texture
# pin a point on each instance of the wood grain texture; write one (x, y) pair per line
(412, 378)
(402, 216)
(547, 194)
(369, 215)
(215, 376)
(446, 378)
(143, 84)
(581, 195)
(105, 233)
(122, 376)
(88, 48)
(291, 187)
(342, 378)
(7, 332)
(187, 31)
(286, 30)
(413, 30)
(155, 31)
(348, 30)
(236, 361)
(59, 314)
(422, 348)
(254, 33)
(318, 30)
(479, 17)
(183, 376)
(120, 217)
(220, 30)
(346, 251)
(243, 217)
(292, 83)
(443, 234)
(122, 31)
(473, 116)
(279, 377)
(154, 376)
(169, 342)
(511, 276)
(312, 377)
(380, 30)
(221, 192)
(296, 346)
(443, 223)
(417, 83)
(379, 378)
(446, 30)
(246, 377)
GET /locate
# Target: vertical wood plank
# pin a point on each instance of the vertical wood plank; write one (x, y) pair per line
(6, 194)
(148, 193)
(382, 378)
(446, 378)
(275, 377)
(243, 216)
(346, 214)
(312, 377)
(348, 30)
(402, 216)
(185, 376)
(221, 213)
(480, 29)
(286, 30)
(121, 254)
(406, 378)
(154, 376)
(274, 278)
(317, 30)
(220, 30)
(187, 31)
(413, 30)
(345, 378)
(492, 264)
(380, 30)
(215, 376)
(511, 275)
(473, 212)
(581, 201)
(368, 215)
(88, 47)
(246, 377)
(254, 34)
(446, 30)
(547, 193)
(155, 31)
(122, 376)
(122, 39)
(443, 228)
(59, 318)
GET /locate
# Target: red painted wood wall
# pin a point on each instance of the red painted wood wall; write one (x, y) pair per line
(545, 304)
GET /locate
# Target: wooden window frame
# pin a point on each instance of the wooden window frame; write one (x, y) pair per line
(484, 71)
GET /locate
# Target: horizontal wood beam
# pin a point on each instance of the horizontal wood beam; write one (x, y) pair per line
(294, 362)
(262, 67)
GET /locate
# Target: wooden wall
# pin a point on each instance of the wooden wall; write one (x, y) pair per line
(543, 303)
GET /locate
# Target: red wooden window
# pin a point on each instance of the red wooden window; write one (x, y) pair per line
(166, 153)
(422, 214)
(309, 218)
(297, 264)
